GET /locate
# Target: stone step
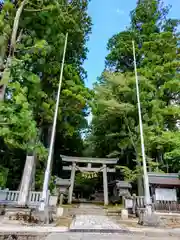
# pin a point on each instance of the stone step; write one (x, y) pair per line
(94, 223)
(80, 211)
(118, 213)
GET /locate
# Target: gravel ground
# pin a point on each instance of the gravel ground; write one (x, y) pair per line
(22, 236)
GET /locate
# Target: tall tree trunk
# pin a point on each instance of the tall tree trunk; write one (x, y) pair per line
(5, 75)
(140, 181)
(33, 182)
(49, 141)
(140, 186)
(29, 168)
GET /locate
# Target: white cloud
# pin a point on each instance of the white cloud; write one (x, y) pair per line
(120, 11)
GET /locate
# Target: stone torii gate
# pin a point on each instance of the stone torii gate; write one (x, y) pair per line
(89, 168)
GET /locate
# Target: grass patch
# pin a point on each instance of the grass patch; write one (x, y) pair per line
(110, 206)
(114, 207)
(64, 221)
(69, 206)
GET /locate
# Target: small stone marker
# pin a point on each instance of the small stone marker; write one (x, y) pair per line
(124, 214)
(151, 220)
(59, 212)
(53, 201)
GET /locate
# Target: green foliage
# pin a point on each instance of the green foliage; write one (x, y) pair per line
(130, 175)
(51, 184)
(133, 175)
(86, 182)
(3, 176)
(88, 178)
(32, 77)
(115, 125)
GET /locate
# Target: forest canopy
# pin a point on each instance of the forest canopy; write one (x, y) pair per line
(115, 126)
(32, 35)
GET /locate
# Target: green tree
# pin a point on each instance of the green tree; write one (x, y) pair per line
(3, 176)
(32, 74)
(115, 125)
(149, 16)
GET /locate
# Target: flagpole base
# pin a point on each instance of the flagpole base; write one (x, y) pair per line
(148, 218)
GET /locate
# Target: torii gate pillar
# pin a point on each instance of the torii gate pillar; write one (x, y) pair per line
(73, 170)
(105, 185)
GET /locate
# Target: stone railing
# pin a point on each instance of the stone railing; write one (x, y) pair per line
(167, 206)
(34, 197)
(8, 196)
(134, 202)
(11, 197)
(138, 202)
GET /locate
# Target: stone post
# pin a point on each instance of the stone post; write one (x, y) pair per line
(73, 171)
(33, 178)
(26, 180)
(134, 203)
(61, 199)
(105, 184)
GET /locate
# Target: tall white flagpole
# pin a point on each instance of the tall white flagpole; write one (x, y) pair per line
(146, 179)
(44, 199)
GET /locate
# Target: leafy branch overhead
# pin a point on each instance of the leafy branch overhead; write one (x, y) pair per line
(31, 47)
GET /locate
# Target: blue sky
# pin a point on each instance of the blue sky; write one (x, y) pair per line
(110, 17)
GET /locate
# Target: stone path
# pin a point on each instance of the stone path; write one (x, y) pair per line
(6, 228)
(90, 223)
(103, 236)
(93, 223)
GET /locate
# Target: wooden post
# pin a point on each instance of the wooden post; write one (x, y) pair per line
(105, 184)
(73, 170)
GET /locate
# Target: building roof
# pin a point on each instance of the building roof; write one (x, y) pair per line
(170, 179)
(89, 160)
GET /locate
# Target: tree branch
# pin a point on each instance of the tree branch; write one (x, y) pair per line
(38, 10)
(15, 27)
(130, 133)
(6, 72)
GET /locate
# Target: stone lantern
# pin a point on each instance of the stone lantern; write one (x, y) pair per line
(62, 187)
